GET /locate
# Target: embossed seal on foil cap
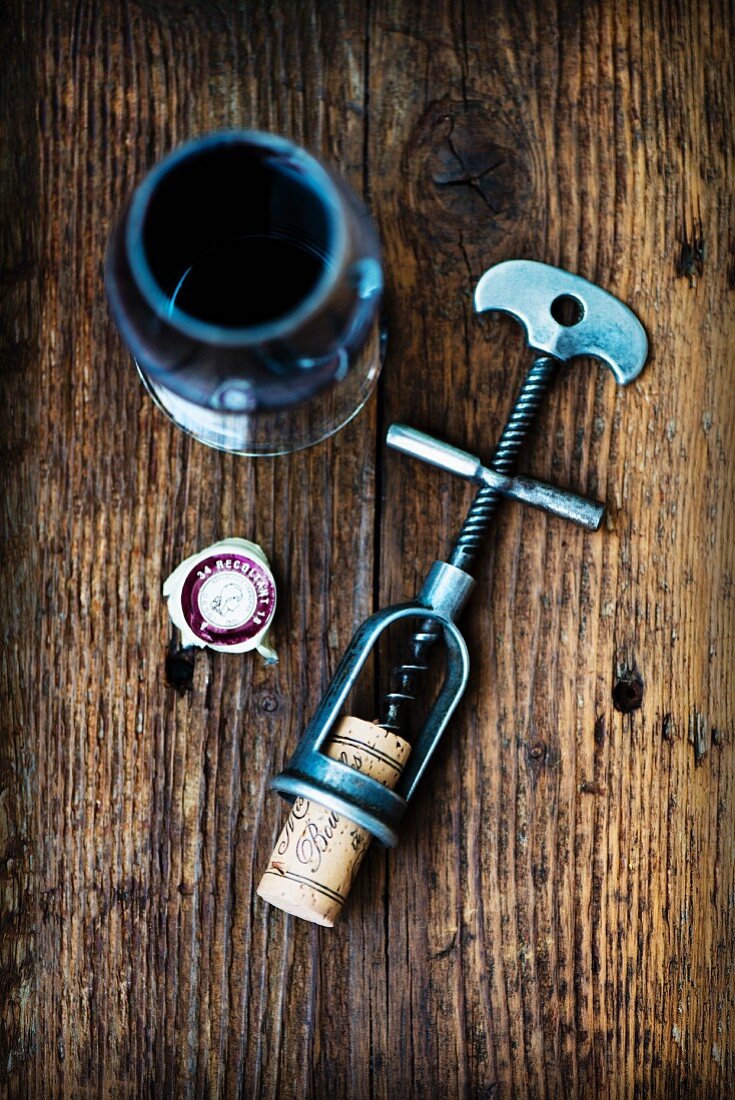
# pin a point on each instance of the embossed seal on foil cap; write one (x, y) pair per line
(224, 597)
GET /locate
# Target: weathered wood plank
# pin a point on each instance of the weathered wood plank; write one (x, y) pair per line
(558, 919)
(153, 966)
(569, 944)
(21, 646)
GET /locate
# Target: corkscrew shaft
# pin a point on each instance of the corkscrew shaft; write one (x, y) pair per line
(402, 693)
(522, 415)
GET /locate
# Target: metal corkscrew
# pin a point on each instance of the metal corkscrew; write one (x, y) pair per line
(604, 328)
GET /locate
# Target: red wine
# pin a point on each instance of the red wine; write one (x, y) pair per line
(249, 280)
(215, 277)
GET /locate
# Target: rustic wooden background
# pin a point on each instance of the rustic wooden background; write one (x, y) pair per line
(559, 917)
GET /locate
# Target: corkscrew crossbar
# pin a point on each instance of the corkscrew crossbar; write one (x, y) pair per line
(602, 327)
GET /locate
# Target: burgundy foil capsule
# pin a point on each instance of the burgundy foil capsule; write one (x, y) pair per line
(224, 598)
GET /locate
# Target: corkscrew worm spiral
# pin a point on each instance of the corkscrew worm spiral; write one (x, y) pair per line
(396, 702)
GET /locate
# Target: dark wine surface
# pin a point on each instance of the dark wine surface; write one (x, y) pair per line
(249, 280)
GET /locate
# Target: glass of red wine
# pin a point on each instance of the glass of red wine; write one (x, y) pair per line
(245, 278)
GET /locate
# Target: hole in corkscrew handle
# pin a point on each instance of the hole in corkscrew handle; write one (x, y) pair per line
(567, 310)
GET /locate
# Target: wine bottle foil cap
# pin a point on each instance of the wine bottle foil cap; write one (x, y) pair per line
(224, 598)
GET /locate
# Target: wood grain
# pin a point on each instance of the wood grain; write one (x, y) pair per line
(559, 917)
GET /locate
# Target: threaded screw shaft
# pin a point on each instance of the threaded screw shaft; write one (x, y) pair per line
(476, 525)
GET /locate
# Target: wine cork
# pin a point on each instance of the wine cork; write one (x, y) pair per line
(319, 852)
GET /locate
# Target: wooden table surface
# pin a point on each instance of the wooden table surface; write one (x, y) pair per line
(558, 919)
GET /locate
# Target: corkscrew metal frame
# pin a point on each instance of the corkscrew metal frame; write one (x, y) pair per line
(604, 328)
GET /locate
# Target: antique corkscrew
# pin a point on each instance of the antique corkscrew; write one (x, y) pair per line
(352, 780)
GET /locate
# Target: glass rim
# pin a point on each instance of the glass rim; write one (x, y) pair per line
(246, 335)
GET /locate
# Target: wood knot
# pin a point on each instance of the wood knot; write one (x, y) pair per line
(470, 177)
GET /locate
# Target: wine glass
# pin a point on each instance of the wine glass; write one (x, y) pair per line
(245, 277)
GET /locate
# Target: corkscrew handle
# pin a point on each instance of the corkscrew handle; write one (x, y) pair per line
(436, 452)
(557, 502)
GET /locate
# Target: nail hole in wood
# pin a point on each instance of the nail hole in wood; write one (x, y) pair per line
(179, 667)
(628, 692)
